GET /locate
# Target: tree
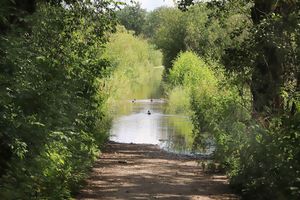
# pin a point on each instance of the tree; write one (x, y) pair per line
(132, 17)
(50, 101)
(275, 25)
(257, 145)
(166, 28)
(269, 52)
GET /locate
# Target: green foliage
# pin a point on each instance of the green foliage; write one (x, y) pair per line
(51, 105)
(178, 100)
(204, 29)
(209, 30)
(59, 80)
(251, 112)
(136, 64)
(267, 57)
(192, 80)
(260, 156)
(132, 17)
(165, 26)
(190, 71)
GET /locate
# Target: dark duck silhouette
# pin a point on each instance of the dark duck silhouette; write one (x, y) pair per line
(149, 113)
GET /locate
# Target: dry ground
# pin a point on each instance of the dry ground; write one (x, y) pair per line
(139, 171)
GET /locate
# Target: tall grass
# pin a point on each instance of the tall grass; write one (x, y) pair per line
(137, 69)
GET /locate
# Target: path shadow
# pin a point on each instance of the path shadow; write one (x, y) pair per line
(147, 172)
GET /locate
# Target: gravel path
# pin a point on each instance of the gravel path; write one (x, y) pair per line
(139, 171)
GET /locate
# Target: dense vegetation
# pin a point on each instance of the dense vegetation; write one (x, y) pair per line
(59, 81)
(52, 121)
(137, 65)
(238, 80)
(232, 66)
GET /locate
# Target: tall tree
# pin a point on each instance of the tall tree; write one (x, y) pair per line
(166, 28)
(50, 102)
(132, 17)
(272, 20)
(270, 51)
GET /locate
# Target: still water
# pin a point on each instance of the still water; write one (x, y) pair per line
(170, 132)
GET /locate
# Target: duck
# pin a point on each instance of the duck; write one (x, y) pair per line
(149, 113)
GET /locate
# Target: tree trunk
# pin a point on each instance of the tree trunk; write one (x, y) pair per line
(268, 73)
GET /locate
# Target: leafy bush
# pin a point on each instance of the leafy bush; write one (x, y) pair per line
(261, 156)
(52, 103)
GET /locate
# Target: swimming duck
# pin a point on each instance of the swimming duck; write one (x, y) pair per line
(149, 113)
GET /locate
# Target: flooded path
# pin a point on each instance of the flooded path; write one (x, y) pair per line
(147, 123)
(136, 165)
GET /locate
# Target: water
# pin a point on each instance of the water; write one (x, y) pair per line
(170, 132)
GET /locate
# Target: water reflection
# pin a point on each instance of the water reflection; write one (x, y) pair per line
(171, 132)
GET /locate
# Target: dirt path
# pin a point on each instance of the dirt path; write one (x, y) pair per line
(134, 171)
